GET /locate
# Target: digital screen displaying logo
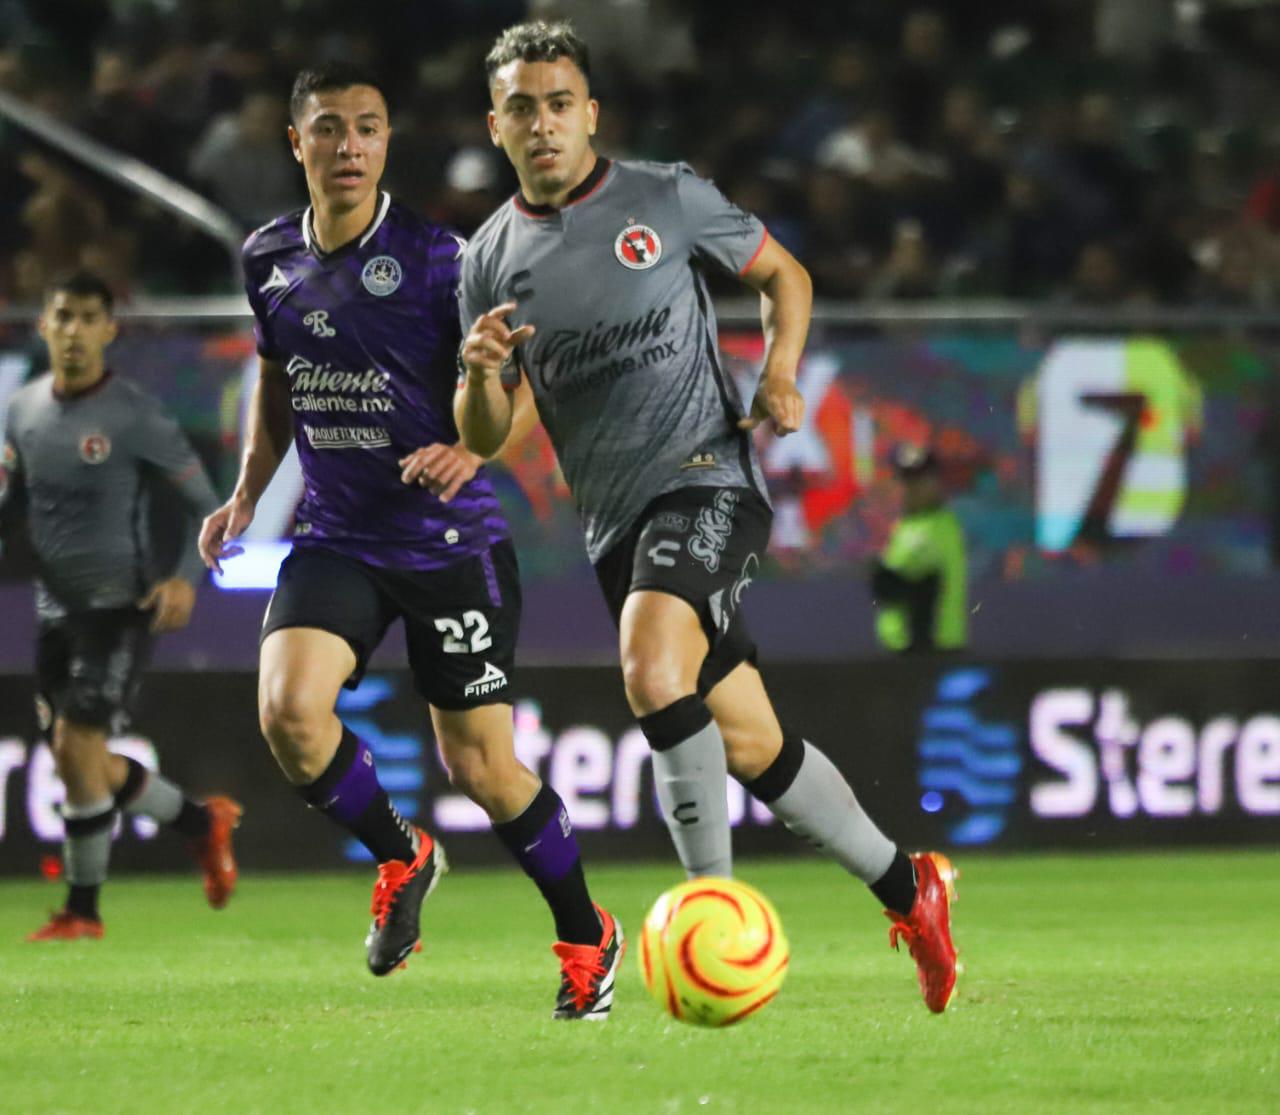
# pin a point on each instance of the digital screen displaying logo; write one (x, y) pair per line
(1169, 766)
(969, 765)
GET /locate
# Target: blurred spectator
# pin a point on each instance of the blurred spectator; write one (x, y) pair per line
(1099, 280)
(472, 190)
(1233, 277)
(872, 151)
(920, 76)
(117, 113)
(909, 273)
(244, 163)
(843, 234)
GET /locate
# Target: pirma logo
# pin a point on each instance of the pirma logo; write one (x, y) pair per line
(95, 448)
(490, 681)
(638, 247)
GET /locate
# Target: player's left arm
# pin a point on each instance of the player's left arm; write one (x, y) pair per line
(786, 304)
(162, 446)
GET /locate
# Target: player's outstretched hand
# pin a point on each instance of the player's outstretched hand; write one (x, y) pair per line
(779, 402)
(220, 529)
(170, 603)
(441, 468)
(489, 344)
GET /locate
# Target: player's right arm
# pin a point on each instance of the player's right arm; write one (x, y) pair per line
(270, 432)
(483, 407)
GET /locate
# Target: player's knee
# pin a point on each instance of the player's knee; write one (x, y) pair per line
(474, 772)
(653, 681)
(289, 720)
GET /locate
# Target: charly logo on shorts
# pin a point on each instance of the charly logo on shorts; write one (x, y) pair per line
(95, 448)
(638, 247)
(382, 276)
(712, 529)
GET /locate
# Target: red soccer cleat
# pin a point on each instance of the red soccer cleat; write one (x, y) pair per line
(63, 925)
(927, 929)
(213, 852)
(587, 973)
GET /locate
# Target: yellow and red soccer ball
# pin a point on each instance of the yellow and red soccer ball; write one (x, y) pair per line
(712, 951)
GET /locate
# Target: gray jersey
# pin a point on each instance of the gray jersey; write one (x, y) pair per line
(84, 462)
(625, 363)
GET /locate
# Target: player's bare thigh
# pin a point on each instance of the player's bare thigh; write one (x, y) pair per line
(663, 647)
(477, 746)
(747, 721)
(300, 673)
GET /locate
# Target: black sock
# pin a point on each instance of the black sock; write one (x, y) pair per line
(896, 888)
(192, 820)
(542, 842)
(83, 901)
(350, 794)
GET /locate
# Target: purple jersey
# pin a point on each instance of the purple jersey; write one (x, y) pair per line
(368, 336)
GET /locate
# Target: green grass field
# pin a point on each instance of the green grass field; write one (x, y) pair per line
(1113, 983)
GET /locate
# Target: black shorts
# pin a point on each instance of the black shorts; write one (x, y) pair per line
(705, 546)
(89, 665)
(460, 622)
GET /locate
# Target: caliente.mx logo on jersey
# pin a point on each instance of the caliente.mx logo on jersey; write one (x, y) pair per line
(638, 247)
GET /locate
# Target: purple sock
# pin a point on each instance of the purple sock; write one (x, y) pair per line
(350, 794)
(541, 840)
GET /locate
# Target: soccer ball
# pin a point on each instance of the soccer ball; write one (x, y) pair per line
(712, 951)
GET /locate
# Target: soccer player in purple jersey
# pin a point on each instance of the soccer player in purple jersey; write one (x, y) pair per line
(355, 309)
(589, 286)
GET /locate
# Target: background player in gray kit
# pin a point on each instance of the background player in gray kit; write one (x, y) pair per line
(355, 307)
(81, 443)
(589, 284)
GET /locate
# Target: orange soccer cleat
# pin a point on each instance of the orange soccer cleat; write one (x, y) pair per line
(63, 925)
(213, 851)
(587, 973)
(927, 928)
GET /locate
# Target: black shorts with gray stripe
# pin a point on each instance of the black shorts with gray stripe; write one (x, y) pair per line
(89, 665)
(704, 545)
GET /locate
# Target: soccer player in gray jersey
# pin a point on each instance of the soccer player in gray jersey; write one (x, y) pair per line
(355, 307)
(80, 446)
(590, 284)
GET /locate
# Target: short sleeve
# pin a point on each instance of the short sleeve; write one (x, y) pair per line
(719, 232)
(262, 335)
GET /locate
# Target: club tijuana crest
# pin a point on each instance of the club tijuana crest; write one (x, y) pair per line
(638, 247)
(95, 448)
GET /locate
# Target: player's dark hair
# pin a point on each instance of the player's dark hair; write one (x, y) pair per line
(82, 284)
(538, 41)
(328, 75)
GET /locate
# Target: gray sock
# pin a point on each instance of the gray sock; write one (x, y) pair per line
(820, 807)
(690, 779)
(158, 799)
(86, 849)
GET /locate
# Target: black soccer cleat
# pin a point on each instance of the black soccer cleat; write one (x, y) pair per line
(587, 973)
(398, 896)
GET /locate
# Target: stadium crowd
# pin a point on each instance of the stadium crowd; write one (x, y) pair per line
(1089, 152)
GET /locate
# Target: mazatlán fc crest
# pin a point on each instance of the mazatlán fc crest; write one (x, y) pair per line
(638, 247)
(95, 448)
(381, 276)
